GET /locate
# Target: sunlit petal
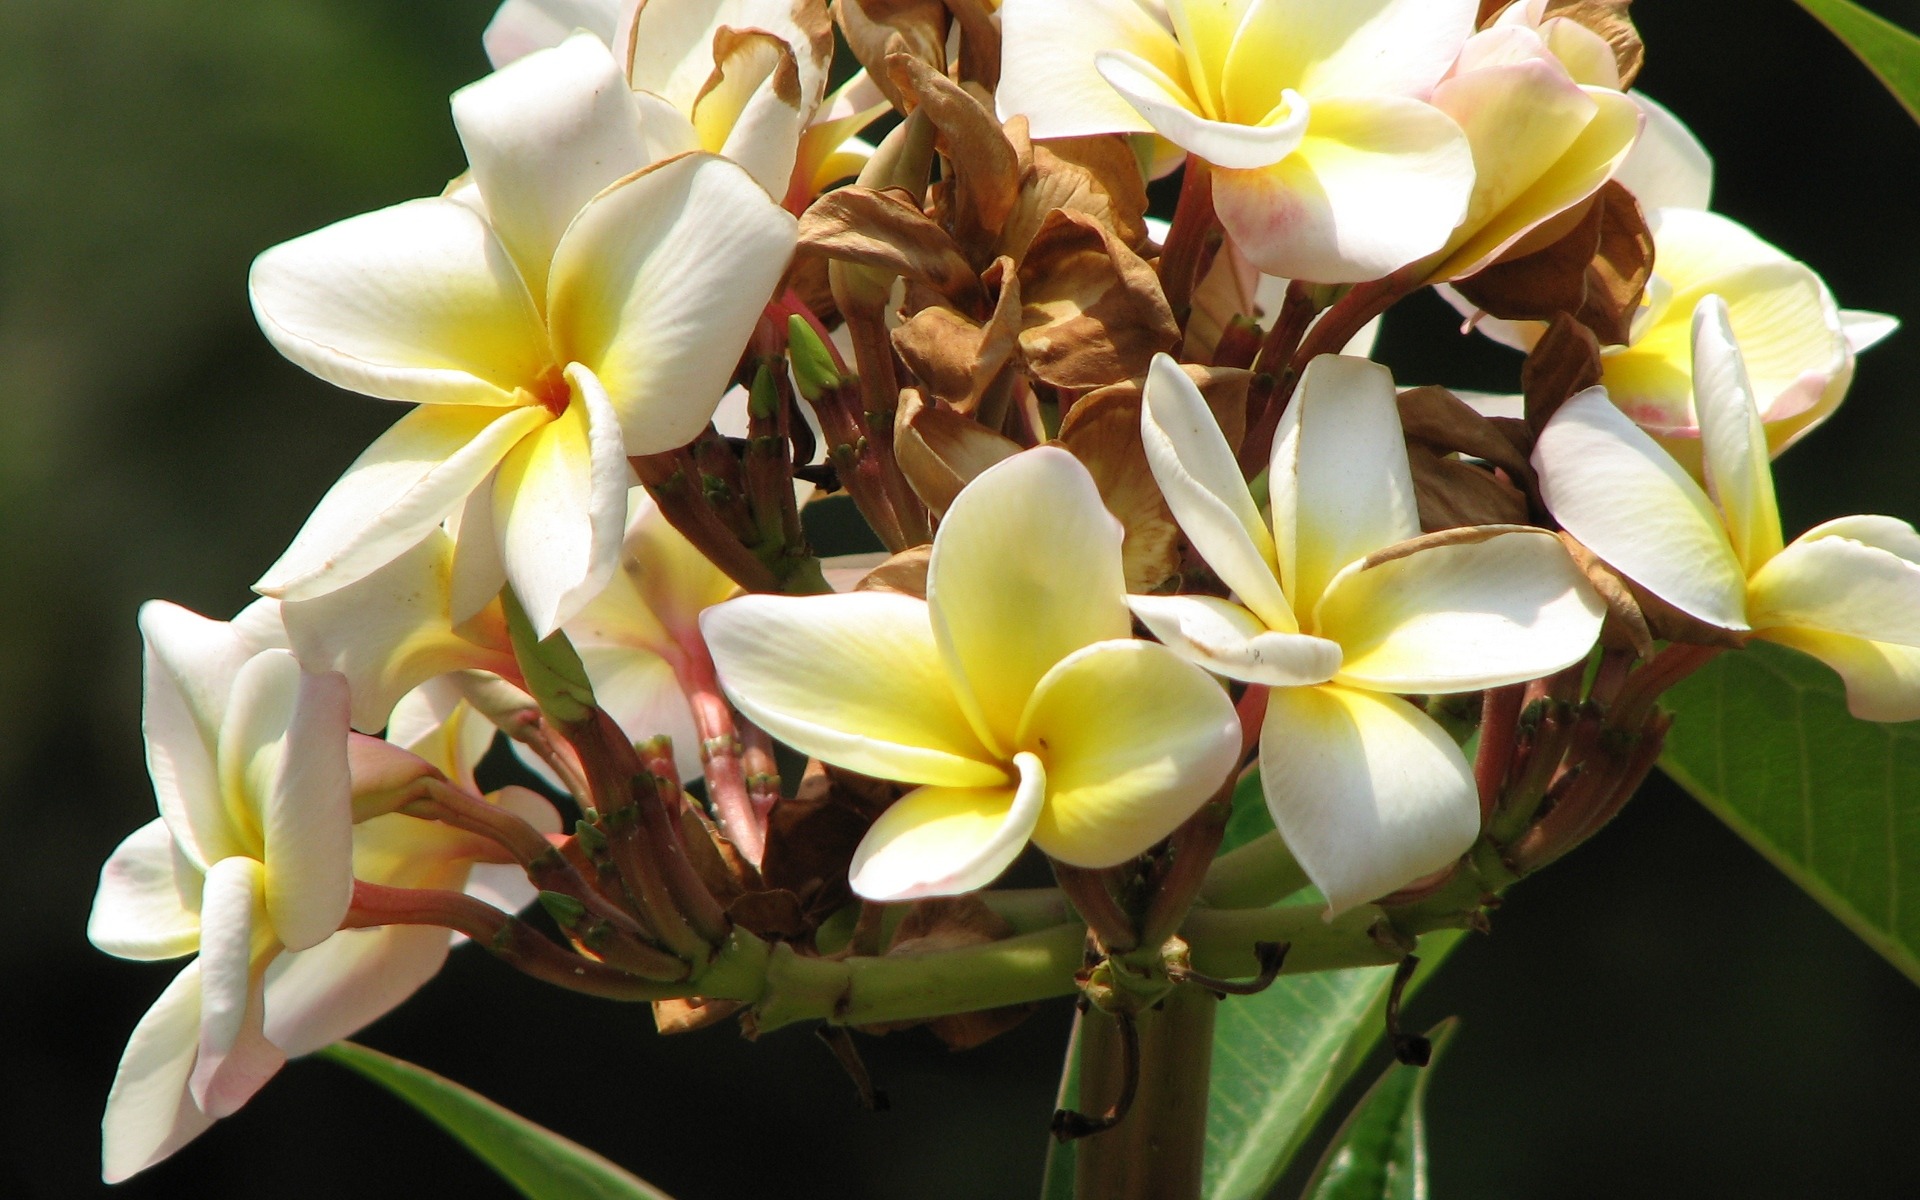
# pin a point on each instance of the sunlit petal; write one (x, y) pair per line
(941, 841)
(1134, 740)
(1733, 443)
(150, 1113)
(318, 996)
(1228, 640)
(1667, 167)
(1170, 111)
(235, 1059)
(1491, 607)
(191, 662)
(148, 903)
(1026, 569)
(1048, 73)
(307, 819)
(1882, 679)
(1351, 47)
(1340, 485)
(1625, 499)
(1367, 791)
(522, 26)
(854, 680)
(1838, 585)
(419, 302)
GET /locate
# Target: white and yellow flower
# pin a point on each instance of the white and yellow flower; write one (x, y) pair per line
(1013, 695)
(1341, 608)
(252, 864)
(562, 310)
(1846, 592)
(1329, 164)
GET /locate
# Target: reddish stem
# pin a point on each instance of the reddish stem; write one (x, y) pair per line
(720, 750)
(1499, 735)
(1194, 225)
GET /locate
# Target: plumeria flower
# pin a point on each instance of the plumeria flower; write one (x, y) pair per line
(561, 310)
(1013, 696)
(1341, 608)
(746, 79)
(1543, 143)
(1329, 165)
(252, 865)
(250, 858)
(640, 638)
(1846, 592)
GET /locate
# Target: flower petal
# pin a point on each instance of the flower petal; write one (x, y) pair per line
(1377, 183)
(671, 46)
(1489, 607)
(1026, 569)
(390, 632)
(545, 135)
(1882, 679)
(640, 691)
(1348, 48)
(1888, 533)
(1838, 585)
(235, 1058)
(1135, 740)
(1048, 73)
(1733, 443)
(334, 990)
(520, 27)
(1667, 167)
(418, 302)
(1624, 498)
(1340, 484)
(942, 841)
(149, 1111)
(1865, 330)
(191, 663)
(1172, 113)
(1365, 789)
(1196, 471)
(1228, 640)
(435, 722)
(854, 680)
(406, 483)
(750, 111)
(148, 903)
(657, 286)
(560, 505)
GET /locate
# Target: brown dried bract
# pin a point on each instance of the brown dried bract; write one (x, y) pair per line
(1563, 363)
(885, 230)
(1597, 272)
(1625, 620)
(1094, 312)
(1609, 19)
(1452, 494)
(875, 29)
(941, 451)
(1103, 432)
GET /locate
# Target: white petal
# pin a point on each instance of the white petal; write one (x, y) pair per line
(1025, 570)
(149, 1111)
(1048, 73)
(942, 841)
(853, 680)
(640, 691)
(1378, 182)
(1882, 680)
(235, 1058)
(1460, 616)
(1733, 443)
(1625, 499)
(522, 26)
(560, 505)
(1865, 330)
(309, 817)
(657, 287)
(1348, 48)
(1340, 484)
(406, 483)
(390, 632)
(545, 135)
(672, 44)
(1228, 640)
(416, 302)
(334, 990)
(1366, 790)
(191, 662)
(1134, 740)
(1667, 167)
(149, 899)
(1888, 533)
(1198, 475)
(1171, 112)
(1837, 585)
(747, 114)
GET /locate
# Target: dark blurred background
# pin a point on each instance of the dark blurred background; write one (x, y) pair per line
(1660, 1016)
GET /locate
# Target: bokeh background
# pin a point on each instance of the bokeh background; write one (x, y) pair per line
(1659, 1016)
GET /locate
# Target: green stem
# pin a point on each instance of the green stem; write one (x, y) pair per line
(1157, 1149)
(1255, 875)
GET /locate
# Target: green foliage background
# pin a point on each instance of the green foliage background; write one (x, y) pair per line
(1661, 1015)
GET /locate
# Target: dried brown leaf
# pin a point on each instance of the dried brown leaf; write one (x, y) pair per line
(1452, 494)
(1596, 272)
(941, 451)
(1103, 432)
(1448, 425)
(905, 573)
(876, 28)
(1562, 364)
(1094, 312)
(986, 170)
(686, 1016)
(956, 357)
(887, 232)
(1626, 622)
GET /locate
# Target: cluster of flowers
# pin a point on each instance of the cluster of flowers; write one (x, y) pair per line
(1145, 521)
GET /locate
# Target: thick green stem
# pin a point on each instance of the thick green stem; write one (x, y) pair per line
(1156, 1150)
(1260, 873)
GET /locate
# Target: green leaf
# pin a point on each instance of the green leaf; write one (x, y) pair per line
(1889, 51)
(540, 1163)
(1281, 1057)
(1380, 1152)
(1763, 738)
(1057, 1180)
